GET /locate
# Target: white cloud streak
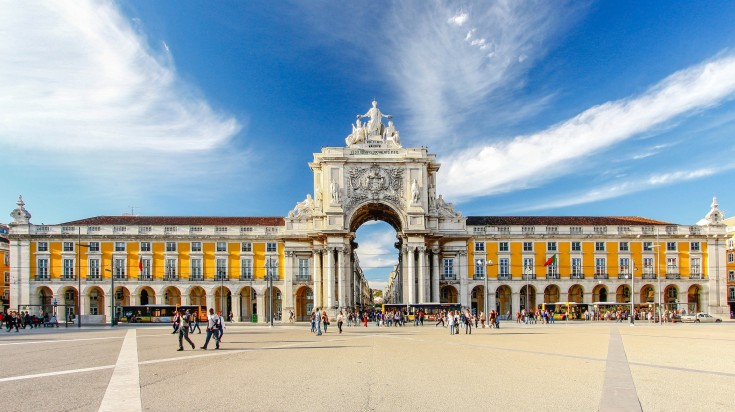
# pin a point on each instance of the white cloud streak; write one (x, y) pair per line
(83, 80)
(530, 160)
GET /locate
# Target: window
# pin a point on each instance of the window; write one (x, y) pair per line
(271, 264)
(448, 268)
(671, 266)
(479, 246)
(600, 266)
(42, 269)
(671, 246)
(42, 246)
(119, 246)
(731, 276)
(169, 229)
(144, 229)
(119, 267)
(170, 270)
(246, 268)
(527, 246)
(504, 230)
(145, 274)
(503, 247)
(527, 265)
(527, 230)
(196, 269)
(271, 247)
(119, 229)
(196, 246)
(576, 267)
(246, 229)
(7, 260)
(552, 271)
(195, 229)
(246, 247)
(696, 267)
(551, 246)
(170, 246)
(504, 267)
(694, 246)
(94, 268)
(68, 269)
(600, 230)
(303, 268)
(68, 246)
(647, 246)
(575, 230)
(221, 229)
(599, 246)
(647, 266)
(576, 246)
(221, 269)
(145, 246)
(730, 257)
(625, 266)
(221, 246)
(480, 268)
(731, 296)
(624, 247)
(7, 278)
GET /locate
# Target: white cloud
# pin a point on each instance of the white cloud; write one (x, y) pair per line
(530, 160)
(84, 83)
(459, 19)
(376, 252)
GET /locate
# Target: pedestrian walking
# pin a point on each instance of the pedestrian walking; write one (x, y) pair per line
(318, 321)
(185, 324)
(340, 317)
(325, 320)
(175, 322)
(221, 326)
(195, 324)
(212, 329)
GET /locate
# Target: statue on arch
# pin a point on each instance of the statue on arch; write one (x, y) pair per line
(414, 191)
(375, 124)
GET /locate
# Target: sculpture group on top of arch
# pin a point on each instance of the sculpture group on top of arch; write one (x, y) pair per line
(374, 132)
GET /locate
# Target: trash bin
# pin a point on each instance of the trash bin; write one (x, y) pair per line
(254, 318)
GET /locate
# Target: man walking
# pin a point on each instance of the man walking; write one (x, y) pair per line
(212, 329)
(185, 319)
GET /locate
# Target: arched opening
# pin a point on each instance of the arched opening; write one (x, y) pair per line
(622, 294)
(222, 300)
(198, 297)
(275, 307)
(477, 300)
(248, 305)
(551, 294)
(576, 293)
(599, 293)
(503, 300)
(172, 296)
(528, 297)
(648, 294)
(449, 294)
(671, 297)
(304, 304)
(376, 227)
(96, 299)
(45, 295)
(69, 298)
(120, 299)
(147, 296)
(694, 299)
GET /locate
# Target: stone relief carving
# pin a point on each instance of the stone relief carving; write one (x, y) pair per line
(445, 209)
(415, 196)
(374, 183)
(334, 190)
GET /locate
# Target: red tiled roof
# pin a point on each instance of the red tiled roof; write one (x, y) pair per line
(179, 221)
(561, 221)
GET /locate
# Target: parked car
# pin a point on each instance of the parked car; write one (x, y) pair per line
(700, 318)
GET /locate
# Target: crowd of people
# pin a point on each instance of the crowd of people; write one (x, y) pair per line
(184, 322)
(22, 319)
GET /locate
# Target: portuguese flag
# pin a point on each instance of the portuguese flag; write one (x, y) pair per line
(550, 261)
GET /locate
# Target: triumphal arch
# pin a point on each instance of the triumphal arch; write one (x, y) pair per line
(373, 177)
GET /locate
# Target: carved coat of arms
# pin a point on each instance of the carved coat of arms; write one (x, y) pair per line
(374, 183)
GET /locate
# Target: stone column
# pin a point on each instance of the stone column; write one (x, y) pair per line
(317, 278)
(435, 274)
(260, 301)
(422, 275)
(340, 277)
(184, 299)
(330, 278)
(235, 307)
(287, 297)
(411, 275)
(463, 273)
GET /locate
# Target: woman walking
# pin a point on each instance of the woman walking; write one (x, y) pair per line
(340, 317)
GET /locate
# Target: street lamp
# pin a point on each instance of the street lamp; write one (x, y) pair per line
(270, 265)
(632, 294)
(529, 272)
(79, 277)
(485, 300)
(112, 290)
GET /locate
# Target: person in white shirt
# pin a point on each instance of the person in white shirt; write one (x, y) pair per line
(213, 322)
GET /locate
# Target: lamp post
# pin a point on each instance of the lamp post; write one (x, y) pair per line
(79, 277)
(658, 277)
(112, 290)
(485, 299)
(270, 265)
(632, 295)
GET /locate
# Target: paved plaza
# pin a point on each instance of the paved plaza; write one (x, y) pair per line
(562, 367)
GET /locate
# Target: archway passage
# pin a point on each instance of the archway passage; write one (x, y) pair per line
(275, 306)
(248, 307)
(172, 296)
(599, 293)
(96, 299)
(375, 211)
(449, 294)
(477, 303)
(551, 294)
(503, 300)
(694, 298)
(622, 294)
(528, 297)
(304, 303)
(147, 296)
(376, 229)
(576, 293)
(223, 300)
(198, 297)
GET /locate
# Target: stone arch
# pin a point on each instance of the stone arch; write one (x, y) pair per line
(694, 298)
(146, 295)
(599, 293)
(171, 296)
(648, 294)
(477, 299)
(43, 297)
(552, 294)
(576, 293)
(222, 300)
(95, 300)
(122, 296)
(527, 296)
(622, 294)
(304, 303)
(449, 294)
(197, 296)
(276, 303)
(68, 296)
(671, 297)
(503, 300)
(373, 210)
(248, 302)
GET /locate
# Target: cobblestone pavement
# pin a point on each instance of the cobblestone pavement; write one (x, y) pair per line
(562, 367)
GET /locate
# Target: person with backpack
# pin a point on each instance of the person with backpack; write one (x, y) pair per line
(213, 322)
(184, 325)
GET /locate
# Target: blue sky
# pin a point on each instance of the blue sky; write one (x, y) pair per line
(202, 108)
